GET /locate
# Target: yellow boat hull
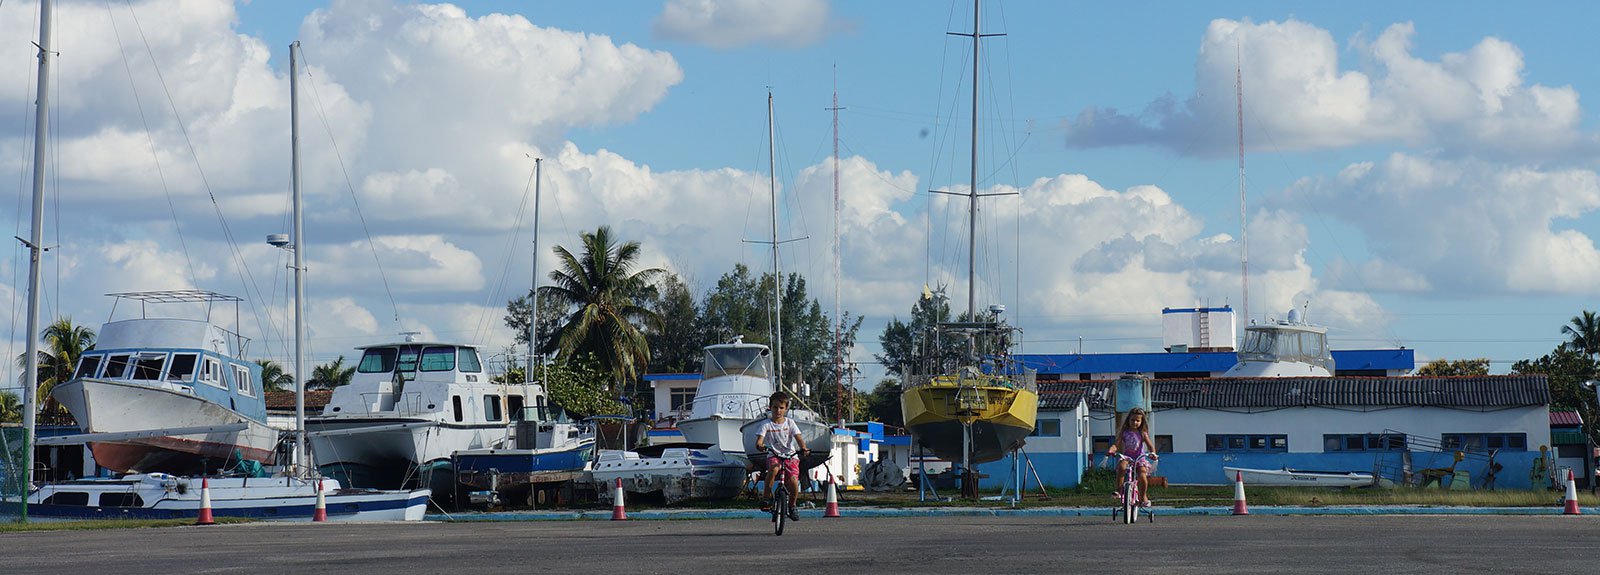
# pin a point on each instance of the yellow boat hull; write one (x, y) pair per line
(1001, 417)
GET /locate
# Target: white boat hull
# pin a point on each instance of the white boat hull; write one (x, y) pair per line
(110, 406)
(1299, 478)
(161, 496)
(391, 448)
(678, 474)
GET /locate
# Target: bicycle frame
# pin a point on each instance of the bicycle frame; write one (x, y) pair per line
(1130, 496)
(780, 493)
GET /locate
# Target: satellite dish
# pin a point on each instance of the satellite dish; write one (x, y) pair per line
(1294, 316)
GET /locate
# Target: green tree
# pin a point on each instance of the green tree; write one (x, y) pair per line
(273, 377)
(10, 407)
(604, 291)
(737, 306)
(1567, 370)
(884, 403)
(580, 386)
(551, 314)
(675, 345)
(1583, 333)
(64, 344)
(330, 375)
(1445, 367)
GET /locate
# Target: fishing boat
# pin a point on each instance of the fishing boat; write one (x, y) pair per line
(1284, 348)
(170, 395)
(1287, 477)
(408, 407)
(978, 408)
(695, 471)
(544, 453)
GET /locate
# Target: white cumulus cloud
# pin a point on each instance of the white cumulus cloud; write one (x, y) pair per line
(735, 23)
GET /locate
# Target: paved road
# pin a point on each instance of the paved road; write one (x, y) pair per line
(1208, 545)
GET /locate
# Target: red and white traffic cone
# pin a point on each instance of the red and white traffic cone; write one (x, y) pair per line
(1239, 507)
(1572, 495)
(205, 503)
(321, 512)
(833, 499)
(617, 511)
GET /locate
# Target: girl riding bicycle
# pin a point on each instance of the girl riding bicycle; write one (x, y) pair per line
(780, 438)
(1133, 440)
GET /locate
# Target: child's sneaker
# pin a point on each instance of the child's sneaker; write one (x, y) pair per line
(1145, 504)
(794, 514)
(766, 505)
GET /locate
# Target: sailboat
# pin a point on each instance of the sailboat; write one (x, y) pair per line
(986, 406)
(738, 378)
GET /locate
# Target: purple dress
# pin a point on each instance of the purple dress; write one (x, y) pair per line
(1131, 444)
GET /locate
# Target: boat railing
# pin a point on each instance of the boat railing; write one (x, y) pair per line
(742, 405)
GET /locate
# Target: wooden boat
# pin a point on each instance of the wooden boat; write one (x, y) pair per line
(1287, 477)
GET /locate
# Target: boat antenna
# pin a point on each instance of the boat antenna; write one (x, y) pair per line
(1244, 221)
(777, 269)
(36, 249)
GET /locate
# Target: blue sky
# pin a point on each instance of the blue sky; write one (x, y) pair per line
(1422, 174)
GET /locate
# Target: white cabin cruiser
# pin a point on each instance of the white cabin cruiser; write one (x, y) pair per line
(169, 395)
(162, 496)
(735, 386)
(410, 406)
(1284, 349)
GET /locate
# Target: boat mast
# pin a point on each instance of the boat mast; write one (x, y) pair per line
(838, 345)
(35, 243)
(972, 191)
(302, 457)
(1244, 224)
(533, 318)
(777, 270)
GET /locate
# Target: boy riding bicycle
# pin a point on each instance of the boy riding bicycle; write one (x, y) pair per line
(780, 438)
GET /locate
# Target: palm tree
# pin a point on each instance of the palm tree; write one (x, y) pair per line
(331, 375)
(64, 344)
(1583, 333)
(273, 378)
(10, 407)
(605, 295)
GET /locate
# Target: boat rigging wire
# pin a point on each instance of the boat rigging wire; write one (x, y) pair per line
(316, 98)
(480, 332)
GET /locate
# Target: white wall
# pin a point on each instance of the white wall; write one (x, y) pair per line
(1305, 426)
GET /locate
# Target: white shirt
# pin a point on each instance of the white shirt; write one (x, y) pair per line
(780, 436)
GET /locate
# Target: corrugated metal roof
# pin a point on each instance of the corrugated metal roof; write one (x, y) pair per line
(1476, 391)
(1565, 418)
(1209, 361)
(1567, 438)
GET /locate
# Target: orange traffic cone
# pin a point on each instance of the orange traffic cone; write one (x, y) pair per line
(205, 503)
(833, 499)
(617, 512)
(1239, 507)
(321, 512)
(1572, 495)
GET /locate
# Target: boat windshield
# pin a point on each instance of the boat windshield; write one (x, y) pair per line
(1286, 345)
(751, 361)
(377, 360)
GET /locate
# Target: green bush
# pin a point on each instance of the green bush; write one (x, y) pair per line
(1098, 480)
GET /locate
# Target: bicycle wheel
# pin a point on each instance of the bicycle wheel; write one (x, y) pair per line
(780, 510)
(1130, 502)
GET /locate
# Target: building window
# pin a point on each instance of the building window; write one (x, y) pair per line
(1102, 443)
(1163, 444)
(1247, 443)
(1047, 428)
(681, 398)
(491, 407)
(1363, 442)
(1483, 442)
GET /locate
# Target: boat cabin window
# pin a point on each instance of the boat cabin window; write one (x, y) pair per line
(751, 361)
(121, 500)
(455, 404)
(79, 498)
(182, 368)
(438, 359)
(211, 372)
(87, 366)
(116, 367)
(514, 407)
(407, 362)
(242, 380)
(377, 360)
(148, 366)
(467, 359)
(491, 408)
(1286, 345)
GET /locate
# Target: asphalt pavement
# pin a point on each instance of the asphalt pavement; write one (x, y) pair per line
(951, 544)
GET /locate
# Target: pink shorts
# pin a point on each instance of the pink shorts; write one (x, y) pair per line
(791, 465)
